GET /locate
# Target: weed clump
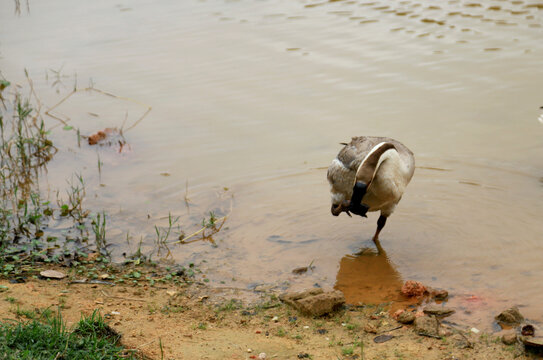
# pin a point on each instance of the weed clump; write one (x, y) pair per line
(46, 337)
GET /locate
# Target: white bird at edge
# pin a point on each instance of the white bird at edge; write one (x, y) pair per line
(370, 174)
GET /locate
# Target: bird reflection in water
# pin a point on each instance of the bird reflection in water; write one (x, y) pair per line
(369, 277)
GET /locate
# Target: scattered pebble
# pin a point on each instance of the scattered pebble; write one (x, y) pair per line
(509, 338)
(438, 311)
(475, 330)
(406, 317)
(262, 356)
(382, 338)
(510, 317)
(300, 270)
(115, 313)
(52, 274)
(275, 319)
(440, 294)
(427, 326)
(370, 328)
(528, 330)
(306, 327)
(249, 351)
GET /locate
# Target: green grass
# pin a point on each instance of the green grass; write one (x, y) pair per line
(47, 337)
(349, 350)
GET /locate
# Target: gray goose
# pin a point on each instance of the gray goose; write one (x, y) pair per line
(370, 174)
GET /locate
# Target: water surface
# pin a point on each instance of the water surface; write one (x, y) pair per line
(250, 100)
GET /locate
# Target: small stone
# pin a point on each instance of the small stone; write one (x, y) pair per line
(460, 341)
(275, 319)
(104, 276)
(370, 328)
(52, 274)
(249, 350)
(171, 292)
(300, 270)
(445, 331)
(510, 338)
(475, 330)
(382, 338)
(533, 342)
(406, 317)
(293, 296)
(317, 305)
(92, 256)
(528, 330)
(510, 317)
(427, 326)
(438, 311)
(262, 356)
(440, 295)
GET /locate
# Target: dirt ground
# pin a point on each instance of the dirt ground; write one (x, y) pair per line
(196, 322)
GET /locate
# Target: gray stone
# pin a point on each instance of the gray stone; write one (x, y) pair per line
(426, 325)
(293, 296)
(533, 341)
(52, 274)
(438, 311)
(317, 305)
(314, 302)
(510, 317)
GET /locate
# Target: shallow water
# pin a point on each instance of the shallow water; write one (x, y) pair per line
(254, 96)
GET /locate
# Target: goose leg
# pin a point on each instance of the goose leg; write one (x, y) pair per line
(380, 225)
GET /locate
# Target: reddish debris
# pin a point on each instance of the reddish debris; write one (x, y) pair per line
(108, 137)
(413, 288)
(99, 136)
(397, 314)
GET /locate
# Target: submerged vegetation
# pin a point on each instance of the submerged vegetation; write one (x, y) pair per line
(36, 228)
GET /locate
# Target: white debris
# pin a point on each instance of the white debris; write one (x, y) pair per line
(475, 330)
(262, 356)
(275, 319)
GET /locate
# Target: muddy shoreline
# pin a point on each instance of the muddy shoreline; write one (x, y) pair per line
(192, 320)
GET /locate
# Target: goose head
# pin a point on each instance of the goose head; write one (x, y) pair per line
(341, 189)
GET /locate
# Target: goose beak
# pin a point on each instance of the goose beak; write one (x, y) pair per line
(339, 208)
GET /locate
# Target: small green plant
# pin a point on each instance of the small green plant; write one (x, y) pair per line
(162, 234)
(99, 228)
(211, 222)
(231, 305)
(281, 332)
(347, 351)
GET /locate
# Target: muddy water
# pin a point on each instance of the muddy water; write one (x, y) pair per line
(249, 102)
